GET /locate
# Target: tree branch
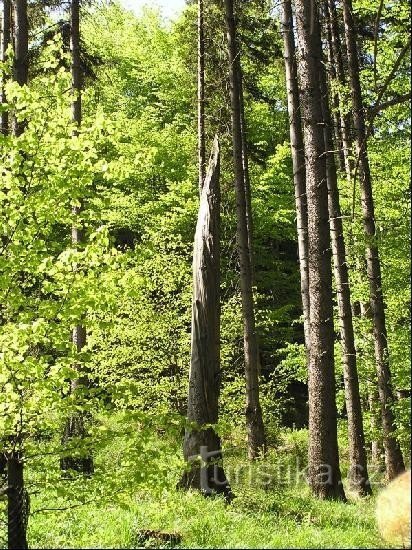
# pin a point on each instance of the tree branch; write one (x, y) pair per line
(396, 100)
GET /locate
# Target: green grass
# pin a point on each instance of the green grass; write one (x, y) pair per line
(133, 490)
(271, 515)
(258, 519)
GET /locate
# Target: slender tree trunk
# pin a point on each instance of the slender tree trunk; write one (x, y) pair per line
(324, 472)
(298, 160)
(17, 503)
(21, 49)
(337, 130)
(254, 421)
(17, 497)
(358, 469)
(393, 455)
(5, 43)
(201, 95)
(246, 174)
(336, 58)
(204, 379)
(75, 425)
(377, 451)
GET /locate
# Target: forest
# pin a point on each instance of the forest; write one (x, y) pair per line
(205, 274)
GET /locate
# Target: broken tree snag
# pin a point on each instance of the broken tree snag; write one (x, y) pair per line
(201, 447)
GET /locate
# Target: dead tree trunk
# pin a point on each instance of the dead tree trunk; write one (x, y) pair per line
(298, 159)
(324, 472)
(254, 421)
(201, 95)
(75, 425)
(393, 455)
(204, 379)
(358, 469)
(5, 43)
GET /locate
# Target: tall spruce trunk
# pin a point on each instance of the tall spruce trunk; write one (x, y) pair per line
(75, 424)
(17, 496)
(336, 56)
(204, 379)
(358, 470)
(5, 43)
(377, 451)
(201, 95)
(393, 456)
(253, 412)
(245, 161)
(323, 472)
(298, 160)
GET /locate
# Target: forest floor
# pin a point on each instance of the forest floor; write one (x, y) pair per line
(269, 511)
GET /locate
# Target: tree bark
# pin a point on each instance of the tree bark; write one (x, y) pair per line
(254, 421)
(393, 456)
(21, 49)
(323, 473)
(358, 469)
(75, 425)
(5, 43)
(246, 174)
(377, 451)
(201, 96)
(17, 503)
(17, 497)
(337, 61)
(204, 379)
(298, 159)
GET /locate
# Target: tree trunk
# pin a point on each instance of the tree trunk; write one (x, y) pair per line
(21, 49)
(337, 130)
(336, 60)
(245, 161)
(254, 421)
(204, 381)
(298, 160)
(377, 451)
(358, 469)
(5, 43)
(324, 472)
(75, 425)
(201, 96)
(393, 455)
(17, 497)
(17, 503)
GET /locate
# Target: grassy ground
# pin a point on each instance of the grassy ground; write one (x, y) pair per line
(272, 509)
(272, 519)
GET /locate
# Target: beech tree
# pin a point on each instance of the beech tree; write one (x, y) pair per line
(75, 424)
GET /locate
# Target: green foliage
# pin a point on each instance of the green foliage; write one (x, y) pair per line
(131, 167)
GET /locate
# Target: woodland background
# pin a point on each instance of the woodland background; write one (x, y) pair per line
(128, 175)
